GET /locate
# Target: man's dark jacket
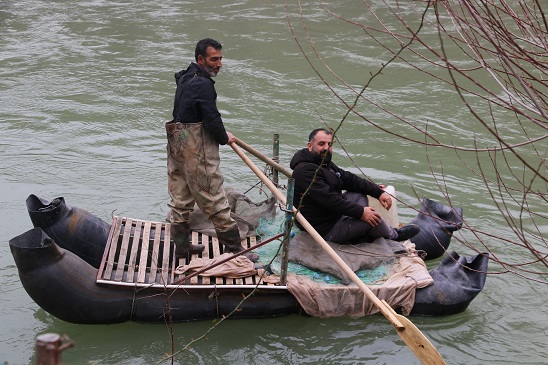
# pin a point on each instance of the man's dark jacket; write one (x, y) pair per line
(195, 101)
(325, 203)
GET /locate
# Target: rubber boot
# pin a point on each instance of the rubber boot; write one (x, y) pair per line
(406, 232)
(182, 238)
(233, 244)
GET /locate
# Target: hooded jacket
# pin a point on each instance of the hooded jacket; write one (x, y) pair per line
(195, 101)
(325, 203)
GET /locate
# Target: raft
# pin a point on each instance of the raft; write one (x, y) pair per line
(84, 270)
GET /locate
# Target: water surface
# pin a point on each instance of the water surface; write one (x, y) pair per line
(85, 88)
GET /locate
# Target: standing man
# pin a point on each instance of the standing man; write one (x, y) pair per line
(339, 217)
(193, 162)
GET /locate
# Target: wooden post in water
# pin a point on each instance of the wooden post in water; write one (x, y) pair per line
(276, 157)
(287, 229)
(49, 347)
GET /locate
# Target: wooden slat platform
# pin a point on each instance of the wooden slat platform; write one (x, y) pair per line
(136, 254)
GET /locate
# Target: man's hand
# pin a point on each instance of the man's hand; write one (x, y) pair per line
(231, 138)
(385, 200)
(370, 216)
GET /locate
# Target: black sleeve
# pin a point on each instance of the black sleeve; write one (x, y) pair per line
(356, 184)
(205, 100)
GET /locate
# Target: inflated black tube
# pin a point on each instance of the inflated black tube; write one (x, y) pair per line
(65, 286)
(457, 281)
(205, 304)
(72, 228)
(437, 223)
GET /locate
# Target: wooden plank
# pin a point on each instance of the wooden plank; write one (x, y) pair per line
(165, 256)
(252, 241)
(123, 250)
(196, 240)
(107, 247)
(194, 280)
(249, 280)
(215, 245)
(144, 253)
(195, 255)
(205, 253)
(155, 250)
(112, 251)
(216, 253)
(174, 263)
(209, 280)
(134, 248)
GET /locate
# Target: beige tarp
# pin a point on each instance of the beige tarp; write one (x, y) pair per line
(238, 267)
(406, 274)
(319, 299)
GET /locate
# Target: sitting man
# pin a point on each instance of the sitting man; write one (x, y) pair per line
(338, 217)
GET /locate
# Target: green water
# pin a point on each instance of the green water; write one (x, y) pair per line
(85, 88)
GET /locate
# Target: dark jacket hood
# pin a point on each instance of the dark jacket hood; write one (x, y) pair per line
(192, 70)
(305, 155)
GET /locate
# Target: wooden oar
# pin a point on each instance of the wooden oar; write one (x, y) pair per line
(411, 335)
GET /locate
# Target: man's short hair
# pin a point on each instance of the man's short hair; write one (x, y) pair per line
(201, 47)
(312, 134)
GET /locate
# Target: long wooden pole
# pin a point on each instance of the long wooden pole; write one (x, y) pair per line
(263, 158)
(411, 335)
(287, 230)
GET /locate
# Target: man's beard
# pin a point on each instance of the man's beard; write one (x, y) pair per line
(323, 157)
(211, 71)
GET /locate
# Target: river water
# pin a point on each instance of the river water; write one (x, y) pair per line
(85, 89)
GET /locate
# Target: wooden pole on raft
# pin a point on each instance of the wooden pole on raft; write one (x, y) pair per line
(287, 230)
(408, 332)
(276, 157)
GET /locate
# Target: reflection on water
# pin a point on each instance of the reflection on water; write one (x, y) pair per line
(85, 90)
